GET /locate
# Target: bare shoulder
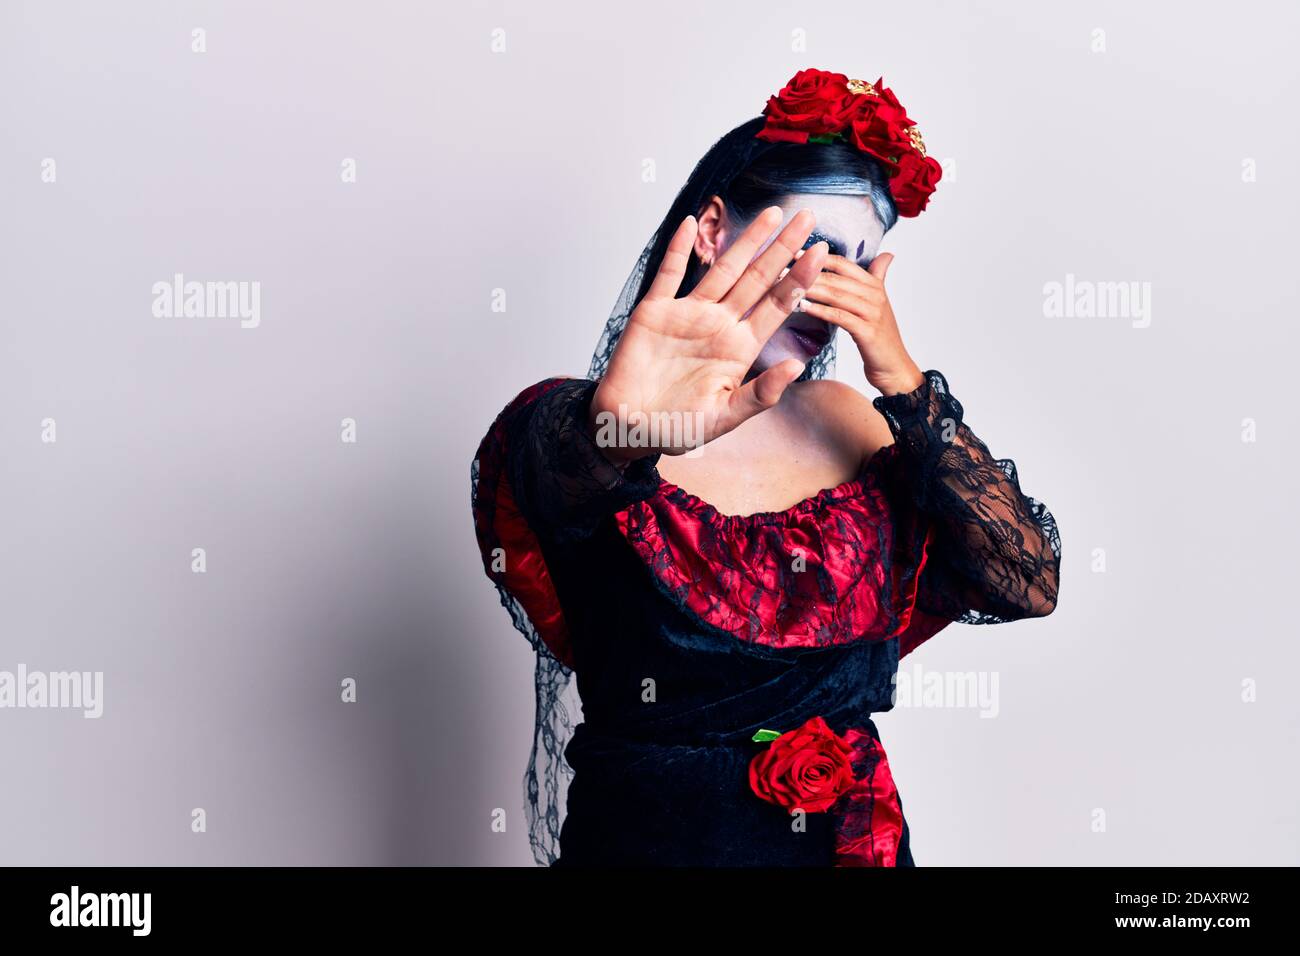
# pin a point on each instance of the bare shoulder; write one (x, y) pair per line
(842, 413)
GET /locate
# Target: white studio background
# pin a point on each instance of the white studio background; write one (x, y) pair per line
(1150, 720)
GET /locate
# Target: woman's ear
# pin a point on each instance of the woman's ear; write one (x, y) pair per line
(711, 236)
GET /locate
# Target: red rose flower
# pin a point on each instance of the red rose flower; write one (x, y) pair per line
(916, 179)
(808, 768)
(814, 101)
(882, 130)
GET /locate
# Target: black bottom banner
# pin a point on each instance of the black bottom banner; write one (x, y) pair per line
(94, 905)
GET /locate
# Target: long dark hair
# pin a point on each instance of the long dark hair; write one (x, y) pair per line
(749, 175)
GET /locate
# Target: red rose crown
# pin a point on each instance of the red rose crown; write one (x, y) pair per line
(821, 107)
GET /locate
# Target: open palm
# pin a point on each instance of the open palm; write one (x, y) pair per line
(686, 358)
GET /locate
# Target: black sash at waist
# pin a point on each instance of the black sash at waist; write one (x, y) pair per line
(844, 686)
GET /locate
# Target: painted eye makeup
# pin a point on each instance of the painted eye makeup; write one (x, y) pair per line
(835, 248)
(815, 237)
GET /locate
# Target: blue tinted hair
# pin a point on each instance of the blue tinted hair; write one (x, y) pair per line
(808, 168)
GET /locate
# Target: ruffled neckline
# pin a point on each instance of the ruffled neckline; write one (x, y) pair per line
(830, 569)
(854, 487)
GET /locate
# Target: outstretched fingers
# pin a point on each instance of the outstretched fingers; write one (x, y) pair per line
(765, 270)
(781, 299)
(731, 265)
(673, 267)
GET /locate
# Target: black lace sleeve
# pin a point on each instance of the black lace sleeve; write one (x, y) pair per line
(539, 481)
(996, 555)
(562, 482)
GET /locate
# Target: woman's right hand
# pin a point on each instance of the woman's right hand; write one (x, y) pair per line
(683, 362)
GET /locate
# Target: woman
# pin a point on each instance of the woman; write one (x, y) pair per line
(735, 615)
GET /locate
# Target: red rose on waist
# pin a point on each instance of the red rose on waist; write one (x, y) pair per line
(807, 768)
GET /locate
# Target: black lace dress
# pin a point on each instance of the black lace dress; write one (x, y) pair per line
(728, 666)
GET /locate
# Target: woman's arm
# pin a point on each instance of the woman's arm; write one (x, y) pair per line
(996, 554)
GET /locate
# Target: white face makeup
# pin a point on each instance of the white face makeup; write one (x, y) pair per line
(851, 228)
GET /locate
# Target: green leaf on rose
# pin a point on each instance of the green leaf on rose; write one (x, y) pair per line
(766, 736)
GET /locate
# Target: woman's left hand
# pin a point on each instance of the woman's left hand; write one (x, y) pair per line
(854, 298)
